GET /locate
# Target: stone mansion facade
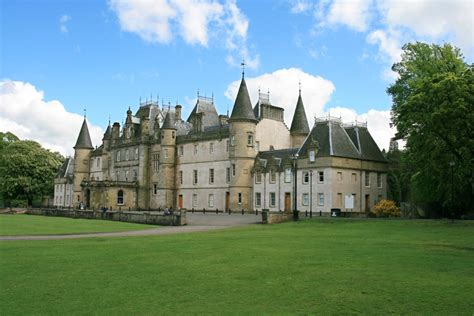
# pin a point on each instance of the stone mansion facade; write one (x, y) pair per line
(250, 160)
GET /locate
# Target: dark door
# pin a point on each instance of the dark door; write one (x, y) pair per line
(367, 202)
(180, 201)
(227, 199)
(88, 198)
(287, 202)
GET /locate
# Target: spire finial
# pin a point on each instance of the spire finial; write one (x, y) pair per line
(299, 84)
(109, 120)
(243, 68)
(85, 112)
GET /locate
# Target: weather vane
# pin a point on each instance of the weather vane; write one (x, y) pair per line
(85, 113)
(243, 68)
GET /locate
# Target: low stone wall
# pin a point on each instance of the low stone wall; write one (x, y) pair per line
(153, 218)
(275, 217)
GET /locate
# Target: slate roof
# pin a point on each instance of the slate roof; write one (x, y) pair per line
(108, 133)
(365, 143)
(168, 122)
(84, 138)
(209, 113)
(242, 109)
(299, 125)
(66, 169)
(209, 133)
(275, 158)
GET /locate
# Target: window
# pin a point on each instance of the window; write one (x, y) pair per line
(240, 198)
(120, 197)
(211, 176)
(339, 199)
(258, 199)
(305, 199)
(227, 178)
(195, 149)
(195, 200)
(136, 153)
(181, 177)
(272, 176)
(98, 162)
(354, 177)
(311, 155)
(135, 175)
(118, 156)
(379, 180)
(156, 162)
(339, 176)
(305, 177)
(155, 188)
(257, 146)
(250, 139)
(367, 179)
(233, 169)
(272, 199)
(166, 152)
(211, 200)
(195, 176)
(117, 176)
(321, 176)
(173, 134)
(258, 177)
(227, 146)
(287, 175)
(355, 200)
(321, 199)
(211, 148)
(181, 150)
(126, 175)
(127, 157)
(232, 140)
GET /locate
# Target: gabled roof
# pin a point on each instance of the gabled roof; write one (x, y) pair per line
(66, 169)
(84, 138)
(242, 109)
(365, 143)
(299, 125)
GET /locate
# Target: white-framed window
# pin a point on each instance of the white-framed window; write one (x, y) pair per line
(166, 152)
(233, 170)
(354, 177)
(195, 200)
(272, 176)
(120, 197)
(181, 150)
(320, 176)
(195, 149)
(305, 177)
(211, 200)
(227, 175)
(258, 177)
(239, 198)
(367, 179)
(155, 188)
(195, 176)
(181, 177)
(258, 199)
(311, 156)
(379, 180)
(339, 176)
(272, 199)
(211, 176)
(250, 139)
(288, 175)
(211, 148)
(320, 199)
(305, 199)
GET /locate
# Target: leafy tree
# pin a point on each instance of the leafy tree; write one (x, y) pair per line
(433, 110)
(26, 169)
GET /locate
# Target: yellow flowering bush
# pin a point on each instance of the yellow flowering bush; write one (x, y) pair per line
(386, 208)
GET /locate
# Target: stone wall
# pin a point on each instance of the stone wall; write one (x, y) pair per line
(153, 218)
(276, 217)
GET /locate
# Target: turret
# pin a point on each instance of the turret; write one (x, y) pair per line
(82, 151)
(299, 126)
(107, 138)
(167, 162)
(242, 152)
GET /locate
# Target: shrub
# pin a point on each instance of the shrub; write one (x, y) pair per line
(386, 208)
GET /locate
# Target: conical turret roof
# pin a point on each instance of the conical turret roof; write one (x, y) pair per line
(299, 125)
(108, 133)
(167, 124)
(84, 138)
(242, 107)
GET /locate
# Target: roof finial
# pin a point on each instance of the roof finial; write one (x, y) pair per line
(140, 100)
(243, 68)
(85, 113)
(109, 120)
(299, 84)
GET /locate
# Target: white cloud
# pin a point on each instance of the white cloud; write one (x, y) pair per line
(389, 49)
(25, 113)
(62, 23)
(196, 21)
(300, 6)
(353, 14)
(283, 87)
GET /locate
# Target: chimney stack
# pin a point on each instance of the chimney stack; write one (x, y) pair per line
(177, 113)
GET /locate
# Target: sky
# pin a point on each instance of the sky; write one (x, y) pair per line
(59, 58)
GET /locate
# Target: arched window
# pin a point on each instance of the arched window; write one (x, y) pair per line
(120, 197)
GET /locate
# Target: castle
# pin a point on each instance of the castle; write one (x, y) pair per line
(247, 161)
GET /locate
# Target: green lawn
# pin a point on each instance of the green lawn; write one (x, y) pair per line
(15, 225)
(328, 266)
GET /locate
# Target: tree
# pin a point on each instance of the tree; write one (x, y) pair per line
(433, 110)
(26, 170)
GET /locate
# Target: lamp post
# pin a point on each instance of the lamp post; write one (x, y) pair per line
(310, 193)
(295, 171)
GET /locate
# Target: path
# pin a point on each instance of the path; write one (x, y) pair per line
(196, 223)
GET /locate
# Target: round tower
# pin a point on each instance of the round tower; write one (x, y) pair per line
(242, 151)
(82, 151)
(299, 125)
(167, 163)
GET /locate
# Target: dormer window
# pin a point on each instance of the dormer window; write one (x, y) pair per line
(312, 155)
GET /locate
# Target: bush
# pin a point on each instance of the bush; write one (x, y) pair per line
(386, 208)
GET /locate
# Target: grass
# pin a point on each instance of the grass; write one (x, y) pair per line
(329, 266)
(16, 225)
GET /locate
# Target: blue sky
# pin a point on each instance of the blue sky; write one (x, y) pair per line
(59, 57)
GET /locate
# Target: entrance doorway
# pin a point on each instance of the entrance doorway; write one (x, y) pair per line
(227, 201)
(367, 202)
(88, 198)
(180, 201)
(287, 201)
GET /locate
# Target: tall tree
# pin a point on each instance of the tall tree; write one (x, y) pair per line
(433, 110)
(26, 170)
